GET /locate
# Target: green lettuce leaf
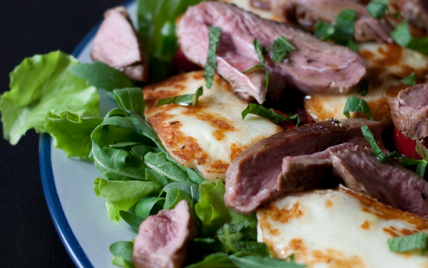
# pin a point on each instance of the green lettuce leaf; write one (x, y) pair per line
(211, 209)
(122, 195)
(71, 133)
(42, 84)
(122, 252)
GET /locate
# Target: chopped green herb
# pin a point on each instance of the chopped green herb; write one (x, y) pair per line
(408, 243)
(254, 67)
(262, 111)
(188, 99)
(409, 80)
(280, 49)
(259, 50)
(364, 87)
(214, 34)
(341, 32)
(379, 154)
(402, 36)
(354, 104)
(377, 8)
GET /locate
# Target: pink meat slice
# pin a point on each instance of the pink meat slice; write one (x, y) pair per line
(163, 239)
(116, 44)
(409, 112)
(315, 67)
(416, 11)
(308, 12)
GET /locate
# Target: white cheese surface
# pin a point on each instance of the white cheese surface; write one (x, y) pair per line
(337, 228)
(207, 136)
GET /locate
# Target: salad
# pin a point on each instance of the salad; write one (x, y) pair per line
(140, 176)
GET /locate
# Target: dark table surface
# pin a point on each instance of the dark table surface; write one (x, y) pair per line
(27, 235)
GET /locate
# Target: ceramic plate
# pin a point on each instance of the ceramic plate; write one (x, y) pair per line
(79, 216)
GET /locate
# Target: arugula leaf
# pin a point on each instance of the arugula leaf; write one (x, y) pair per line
(102, 76)
(408, 243)
(174, 196)
(189, 188)
(262, 111)
(364, 87)
(403, 37)
(159, 179)
(280, 49)
(254, 261)
(259, 51)
(409, 80)
(377, 8)
(149, 206)
(71, 133)
(211, 209)
(131, 219)
(215, 260)
(159, 163)
(211, 64)
(188, 99)
(354, 104)
(122, 252)
(43, 84)
(130, 100)
(122, 195)
(341, 32)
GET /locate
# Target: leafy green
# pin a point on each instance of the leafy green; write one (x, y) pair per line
(214, 34)
(364, 87)
(215, 260)
(403, 37)
(103, 76)
(156, 177)
(174, 196)
(354, 104)
(130, 218)
(408, 243)
(262, 111)
(71, 133)
(259, 51)
(254, 261)
(149, 206)
(341, 32)
(122, 252)
(159, 163)
(377, 8)
(122, 195)
(280, 49)
(409, 80)
(43, 84)
(378, 152)
(191, 189)
(211, 209)
(188, 99)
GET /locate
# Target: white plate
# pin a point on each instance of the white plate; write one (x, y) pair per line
(79, 216)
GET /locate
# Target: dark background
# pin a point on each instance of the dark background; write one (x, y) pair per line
(27, 235)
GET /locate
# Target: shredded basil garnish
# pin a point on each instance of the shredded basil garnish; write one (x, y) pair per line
(214, 34)
(354, 104)
(262, 111)
(259, 50)
(188, 99)
(280, 49)
(364, 87)
(408, 243)
(378, 152)
(409, 80)
(402, 36)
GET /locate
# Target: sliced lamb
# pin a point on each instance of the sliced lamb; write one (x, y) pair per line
(390, 183)
(315, 67)
(308, 12)
(303, 172)
(116, 44)
(416, 11)
(252, 178)
(162, 239)
(409, 112)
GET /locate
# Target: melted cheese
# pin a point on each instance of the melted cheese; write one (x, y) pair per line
(338, 228)
(207, 136)
(386, 65)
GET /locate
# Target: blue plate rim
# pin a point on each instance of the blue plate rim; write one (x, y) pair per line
(56, 211)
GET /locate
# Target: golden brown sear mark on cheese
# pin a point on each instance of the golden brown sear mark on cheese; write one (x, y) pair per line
(185, 148)
(328, 204)
(394, 232)
(386, 212)
(365, 225)
(282, 215)
(218, 166)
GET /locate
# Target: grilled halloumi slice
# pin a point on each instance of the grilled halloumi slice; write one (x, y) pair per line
(338, 228)
(207, 136)
(387, 64)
